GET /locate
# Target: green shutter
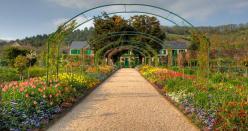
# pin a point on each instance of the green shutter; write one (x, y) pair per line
(88, 52)
(75, 52)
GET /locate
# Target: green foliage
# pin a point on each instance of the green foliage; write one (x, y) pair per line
(149, 25)
(53, 47)
(11, 52)
(220, 102)
(35, 72)
(8, 74)
(3, 62)
(25, 105)
(21, 64)
(139, 23)
(218, 77)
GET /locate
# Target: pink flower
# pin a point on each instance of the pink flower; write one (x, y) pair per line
(21, 89)
(40, 90)
(4, 89)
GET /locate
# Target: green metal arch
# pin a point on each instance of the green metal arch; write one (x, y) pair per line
(144, 5)
(137, 48)
(132, 48)
(137, 43)
(110, 50)
(98, 52)
(146, 53)
(129, 12)
(113, 45)
(132, 33)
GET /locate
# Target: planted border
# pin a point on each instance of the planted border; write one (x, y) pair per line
(219, 103)
(32, 104)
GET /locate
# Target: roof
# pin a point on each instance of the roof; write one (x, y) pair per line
(177, 44)
(79, 45)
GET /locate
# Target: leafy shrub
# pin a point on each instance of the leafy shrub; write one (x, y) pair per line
(8, 74)
(3, 62)
(35, 72)
(77, 81)
(218, 77)
(21, 64)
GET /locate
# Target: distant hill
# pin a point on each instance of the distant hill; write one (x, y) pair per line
(221, 37)
(3, 41)
(227, 37)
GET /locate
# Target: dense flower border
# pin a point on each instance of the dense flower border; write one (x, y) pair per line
(219, 103)
(31, 103)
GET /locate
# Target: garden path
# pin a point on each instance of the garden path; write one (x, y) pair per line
(124, 102)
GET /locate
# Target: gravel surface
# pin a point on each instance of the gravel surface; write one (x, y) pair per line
(124, 102)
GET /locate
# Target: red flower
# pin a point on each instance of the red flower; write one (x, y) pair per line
(21, 89)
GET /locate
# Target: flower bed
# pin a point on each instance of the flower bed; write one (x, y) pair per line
(31, 103)
(220, 103)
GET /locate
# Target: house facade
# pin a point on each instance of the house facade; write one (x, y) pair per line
(82, 48)
(172, 48)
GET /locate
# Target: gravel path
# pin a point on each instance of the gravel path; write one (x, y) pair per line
(124, 102)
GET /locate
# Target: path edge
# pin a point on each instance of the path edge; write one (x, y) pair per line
(180, 108)
(81, 98)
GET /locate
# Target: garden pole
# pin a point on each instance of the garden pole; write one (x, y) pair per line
(57, 64)
(47, 62)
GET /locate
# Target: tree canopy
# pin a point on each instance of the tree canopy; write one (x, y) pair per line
(138, 23)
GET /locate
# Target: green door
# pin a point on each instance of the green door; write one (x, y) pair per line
(126, 64)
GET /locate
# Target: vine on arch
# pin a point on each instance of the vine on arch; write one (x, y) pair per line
(53, 48)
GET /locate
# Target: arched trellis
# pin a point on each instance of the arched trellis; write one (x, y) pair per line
(132, 33)
(129, 12)
(143, 53)
(160, 9)
(182, 22)
(116, 44)
(137, 48)
(129, 47)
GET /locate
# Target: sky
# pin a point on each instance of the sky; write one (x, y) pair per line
(25, 18)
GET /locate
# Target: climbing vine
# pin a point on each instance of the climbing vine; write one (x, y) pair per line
(53, 48)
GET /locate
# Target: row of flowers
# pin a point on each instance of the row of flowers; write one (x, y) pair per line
(30, 104)
(219, 103)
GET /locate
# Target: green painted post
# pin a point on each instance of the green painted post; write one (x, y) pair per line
(57, 64)
(47, 62)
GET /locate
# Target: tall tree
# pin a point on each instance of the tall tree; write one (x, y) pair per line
(139, 23)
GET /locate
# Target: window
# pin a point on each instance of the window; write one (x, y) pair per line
(163, 51)
(88, 52)
(174, 52)
(75, 52)
(181, 51)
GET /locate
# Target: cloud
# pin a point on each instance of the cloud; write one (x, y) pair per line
(189, 9)
(59, 21)
(6, 38)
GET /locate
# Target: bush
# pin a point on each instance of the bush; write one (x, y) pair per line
(3, 63)
(8, 74)
(218, 77)
(35, 72)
